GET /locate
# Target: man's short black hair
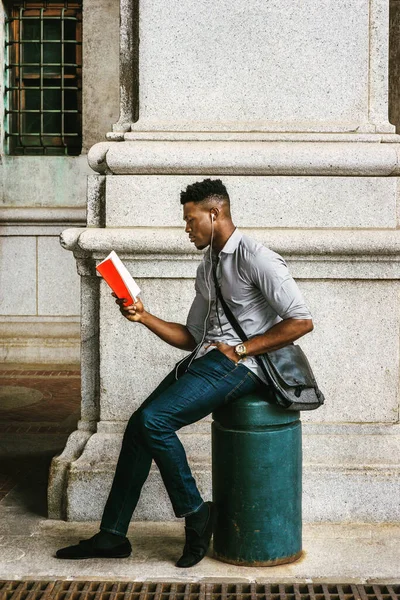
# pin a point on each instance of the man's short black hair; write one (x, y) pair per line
(201, 190)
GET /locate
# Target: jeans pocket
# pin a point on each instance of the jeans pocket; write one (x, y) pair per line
(243, 387)
(227, 358)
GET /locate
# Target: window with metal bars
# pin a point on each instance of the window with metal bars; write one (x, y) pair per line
(43, 103)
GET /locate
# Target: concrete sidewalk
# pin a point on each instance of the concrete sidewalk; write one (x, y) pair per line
(336, 553)
(33, 432)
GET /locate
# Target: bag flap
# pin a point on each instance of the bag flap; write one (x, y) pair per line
(291, 365)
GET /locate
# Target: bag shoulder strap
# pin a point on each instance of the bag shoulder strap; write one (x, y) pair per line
(232, 320)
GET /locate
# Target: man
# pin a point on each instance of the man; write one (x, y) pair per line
(266, 301)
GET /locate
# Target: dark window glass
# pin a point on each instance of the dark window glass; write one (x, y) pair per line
(44, 77)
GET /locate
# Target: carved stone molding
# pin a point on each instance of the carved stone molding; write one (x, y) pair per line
(246, 158)
(129, 67)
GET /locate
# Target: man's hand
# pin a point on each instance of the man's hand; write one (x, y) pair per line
(175, 334)
(226, 349)
(132, 312)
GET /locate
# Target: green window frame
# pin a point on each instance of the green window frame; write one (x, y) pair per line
(43, 91)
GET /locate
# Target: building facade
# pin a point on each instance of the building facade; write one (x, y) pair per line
(289, 104)
(43, 172)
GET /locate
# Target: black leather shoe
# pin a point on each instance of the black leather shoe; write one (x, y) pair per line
(92, 549)
(197, 542)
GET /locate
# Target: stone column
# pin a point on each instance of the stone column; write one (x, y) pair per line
(59, 477)
(287, 103)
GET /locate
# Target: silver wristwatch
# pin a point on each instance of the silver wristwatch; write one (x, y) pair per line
(241, 351)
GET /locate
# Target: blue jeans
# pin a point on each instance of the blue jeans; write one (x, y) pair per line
(210, 382)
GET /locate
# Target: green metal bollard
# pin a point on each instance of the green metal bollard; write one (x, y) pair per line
(256, 479)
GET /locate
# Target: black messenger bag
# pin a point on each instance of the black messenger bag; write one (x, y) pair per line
(291, 377)
(287, 370)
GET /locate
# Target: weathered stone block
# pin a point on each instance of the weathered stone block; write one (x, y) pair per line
(18, 273)
(145, 201)
(58, 289)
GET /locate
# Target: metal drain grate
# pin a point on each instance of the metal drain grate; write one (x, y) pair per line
(109, 590)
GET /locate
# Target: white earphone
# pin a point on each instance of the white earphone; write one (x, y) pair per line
(207, 281)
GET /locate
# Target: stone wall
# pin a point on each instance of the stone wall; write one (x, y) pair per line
(39, 197)
(288, 104)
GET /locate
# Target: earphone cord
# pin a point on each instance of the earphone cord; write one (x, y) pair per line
(217, 299)
(208, 285)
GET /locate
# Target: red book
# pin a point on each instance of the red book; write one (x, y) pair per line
(118, 278)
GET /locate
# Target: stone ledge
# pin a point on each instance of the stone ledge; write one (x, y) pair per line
(39, 342)
(311, 253)
(136, 242)
(159, 135)
(39, 221)
(245, 158)
(329, 495)
(40, 329)
(42, 215)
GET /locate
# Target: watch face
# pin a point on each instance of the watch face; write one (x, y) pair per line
(240, 348)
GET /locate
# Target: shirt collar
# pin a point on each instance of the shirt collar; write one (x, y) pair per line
(232, 243)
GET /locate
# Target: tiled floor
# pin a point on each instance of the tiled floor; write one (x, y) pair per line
(54, 409)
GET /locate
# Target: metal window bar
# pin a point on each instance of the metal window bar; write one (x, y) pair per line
(43, 103)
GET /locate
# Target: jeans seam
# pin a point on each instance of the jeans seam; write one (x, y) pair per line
(236, 387)
(126, 496)
(190, 513)
(179, 475)
(227, 375)
(112, 531)
(255, 378)
(235, 365)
